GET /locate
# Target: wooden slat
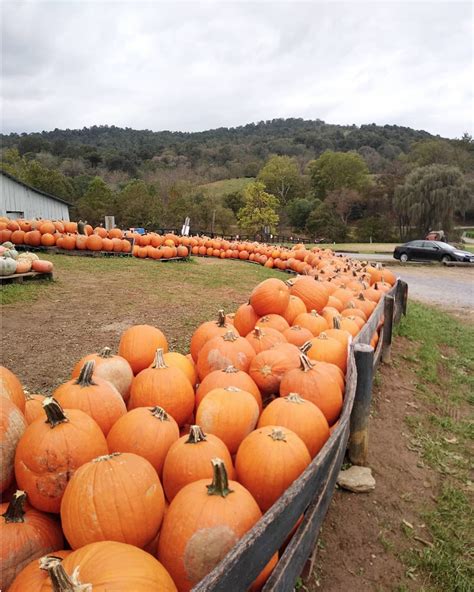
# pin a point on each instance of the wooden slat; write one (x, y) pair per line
(29, 275)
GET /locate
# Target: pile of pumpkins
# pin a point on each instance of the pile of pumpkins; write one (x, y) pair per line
(12, 262)
(145, 468)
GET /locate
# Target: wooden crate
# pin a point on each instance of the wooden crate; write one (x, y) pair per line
(19, 278)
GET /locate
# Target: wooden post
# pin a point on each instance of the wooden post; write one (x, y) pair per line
(405, 298)
(387, 329)
(359, 437)
(400, 301)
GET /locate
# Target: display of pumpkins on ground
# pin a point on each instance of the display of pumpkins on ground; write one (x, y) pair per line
(12, 262)
(153, 464)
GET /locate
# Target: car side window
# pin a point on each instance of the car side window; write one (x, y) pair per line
(430, 245)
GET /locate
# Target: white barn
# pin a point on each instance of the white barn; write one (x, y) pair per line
(18, 200)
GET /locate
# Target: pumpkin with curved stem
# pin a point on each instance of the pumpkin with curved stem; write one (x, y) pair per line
(49, 452)
(106, 565)
(312, 293)
(245, 319)
(229, 413)
(163, 386)
(261, 339)
(146, 431)
(138, 346)
(25, 534)
(222, 351)
(273, 321)
(312, 321)
(271, 296)
(10, 388)
(229, 376)
(295, 307)
(33, 407)
(328, 349)
(189, 459)
(118, 497)
(93, 395)
(268, 461)
(207, 331)
(299, 415)
(316, 385)
(32, 577)
(13, 426)
(203, 522)
(297, 335)
(115, 369)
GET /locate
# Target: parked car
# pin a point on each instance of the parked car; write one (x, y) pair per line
(429, 250)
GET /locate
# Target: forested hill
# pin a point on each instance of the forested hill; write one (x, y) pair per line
(241, 149)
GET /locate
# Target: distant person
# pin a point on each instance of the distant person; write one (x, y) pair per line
(81, 227)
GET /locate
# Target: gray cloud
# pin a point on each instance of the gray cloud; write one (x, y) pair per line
(200, 65)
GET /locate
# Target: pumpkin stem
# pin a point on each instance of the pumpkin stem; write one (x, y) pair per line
(258, 333)
(106, 457)
(16, 508)
(232, 389)
(221, 318)
(54, 412)
(314, 313)
(159, 359)
(196, 435)
(322, 336)
(294, 398)
(106, 352)
(231, 370)
(361, 297)
(60, 580)
(159, 413)
(336, 323)
(305, 363)
(278, 435)
(229, 336)
(220, 481)
(85, 377)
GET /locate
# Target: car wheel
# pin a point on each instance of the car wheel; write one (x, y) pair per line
(445, 259)
(403, 257)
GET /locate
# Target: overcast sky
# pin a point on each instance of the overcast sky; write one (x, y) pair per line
(192, 66)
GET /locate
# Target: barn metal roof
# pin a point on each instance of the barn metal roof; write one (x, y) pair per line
(35, 189)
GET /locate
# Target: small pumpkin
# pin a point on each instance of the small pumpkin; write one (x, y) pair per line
(261, 339)
(297, 335)
(273, 321)
(222, 351)
(229, 376)
(208, 330)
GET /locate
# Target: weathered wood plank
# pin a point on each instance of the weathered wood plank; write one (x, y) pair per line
(388, 329)
(19, 278)
(359, 437)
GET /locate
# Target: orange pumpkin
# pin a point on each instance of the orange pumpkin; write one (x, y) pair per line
(295, 307)
(183, 363)
(273, 321)
(312, 293)
(222, 351)
(328, 349)
(118, 497)
(33, 407)
(245, 319)
(312, 321)
(207, 331)
(270, 296)
(297, 335)
(261, 339)
(138, 346)
(229, 376)
(268, 368)
(10, 388)
(32, 577)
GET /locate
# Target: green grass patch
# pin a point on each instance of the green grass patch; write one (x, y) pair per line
(226, 186)
(443, 434)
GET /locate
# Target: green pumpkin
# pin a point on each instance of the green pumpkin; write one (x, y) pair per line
(7, 266)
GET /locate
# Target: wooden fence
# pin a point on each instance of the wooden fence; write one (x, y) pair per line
(311, 494)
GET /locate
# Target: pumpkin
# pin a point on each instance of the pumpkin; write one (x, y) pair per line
(103, 566)
(33, 407)
(26, 534)
(259, 582)
(312, 321)
(229, 376)
(32, 577)
(312, 293)
(183, 363)
(93, 395)
(146, 431)
(115, 369)
(268, 461)
(295, 307)
(270, 296)
(229, 413)
(10, 388)
(207, 331)
(297, 335)
(118, 497)
(7, 266)
(316, 385)
(163, 386)
(328, 349)
(268, 367)
(49, 452)
(94, 242)
(203, 522)
(189, 459)
(138, 346)
(300, 416)
(222, 351)
(13, 426)
(42, 266)
(261, 339)
(245, 319)
(23, 266)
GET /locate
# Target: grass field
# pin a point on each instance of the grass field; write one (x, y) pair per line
(226, 186)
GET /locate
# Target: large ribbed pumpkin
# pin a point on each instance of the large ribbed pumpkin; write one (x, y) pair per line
(204, 521)
(49, 452)
(268, 461)
(316, 385)
(189, 459)
(138, 346)
(115, 369)
(229, 376)
(163, 386)
(117, 497)
(312, 293)
(25, 534)
(146, 431)
(10, 388)
(301, 416)
(93, 395)
(229, 413)
(270, 296)
(222, 351)
(207, 331)
(105, 566)
(12, 426)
